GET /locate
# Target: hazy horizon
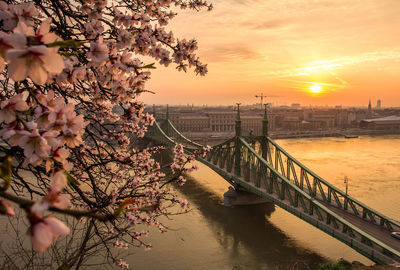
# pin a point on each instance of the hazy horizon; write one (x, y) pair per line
(271, 104)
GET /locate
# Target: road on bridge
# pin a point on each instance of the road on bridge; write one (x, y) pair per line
(374, 230)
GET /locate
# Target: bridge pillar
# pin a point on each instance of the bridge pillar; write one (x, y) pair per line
(166, 121)
(265, 122)
(238, 122)
(238, 197)
(264, 140)
(238, 129)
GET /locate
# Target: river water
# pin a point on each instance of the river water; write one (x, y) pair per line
(212, 236)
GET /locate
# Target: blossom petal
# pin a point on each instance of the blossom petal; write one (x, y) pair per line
(44, 27)
(57, 227)
(41, 237)
(37, 73)
(54, 63)
(50, 38)
(59, 181)
(18, 69)
(2, 64)
(17, 40)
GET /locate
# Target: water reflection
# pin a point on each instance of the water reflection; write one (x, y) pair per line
(251, 241)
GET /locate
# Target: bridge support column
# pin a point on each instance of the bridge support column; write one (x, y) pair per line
(238, 129)
(167, 120)
(264, 140)
(238, 197)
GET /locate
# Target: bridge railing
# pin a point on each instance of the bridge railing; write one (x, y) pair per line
(223, 155)
(318, 187)
(171, 131)
(263, 176)
(155, 133)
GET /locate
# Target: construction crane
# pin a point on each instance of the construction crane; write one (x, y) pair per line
(261, 97)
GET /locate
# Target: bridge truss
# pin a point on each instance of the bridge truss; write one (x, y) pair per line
(258, 165)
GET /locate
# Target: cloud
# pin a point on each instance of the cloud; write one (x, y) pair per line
(304, 85)
(329, 65)
(271, 24)
(230, 52)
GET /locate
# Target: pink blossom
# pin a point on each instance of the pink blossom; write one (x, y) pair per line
(61, 155)
(9, 19)
(40, 206)
(47, 230)
(183, 203)
(62, 201)
(25, 12)
(58, 181)
(98, 51)
(36, 146)
(9, 107)
(123, 264)
(50, 100)
(93, 28)
(6, 208)
(35, 61)
(58, 114)
(5, 44)
(44, 35)
(181, 180)
(79, 73)
(11, 15)
(24, 30)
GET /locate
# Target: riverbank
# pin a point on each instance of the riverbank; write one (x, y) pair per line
(345, 265)
(205, 137)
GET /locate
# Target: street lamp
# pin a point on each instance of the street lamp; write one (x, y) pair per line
(346, 181)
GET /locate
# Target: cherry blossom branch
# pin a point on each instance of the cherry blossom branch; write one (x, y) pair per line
(25, 203)
(72, 75)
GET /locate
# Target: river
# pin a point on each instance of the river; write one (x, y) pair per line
(212, 236)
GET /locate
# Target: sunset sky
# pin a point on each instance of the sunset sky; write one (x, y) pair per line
(347, 50)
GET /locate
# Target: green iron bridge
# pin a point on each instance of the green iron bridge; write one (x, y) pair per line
(258, 165)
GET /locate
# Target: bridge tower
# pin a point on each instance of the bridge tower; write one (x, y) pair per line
(238, 129)
(264, 140)
(167, 119)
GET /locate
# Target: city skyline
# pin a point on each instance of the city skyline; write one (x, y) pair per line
(375, 104)
(308, 52)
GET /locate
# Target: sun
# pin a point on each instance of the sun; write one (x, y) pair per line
(315, 88)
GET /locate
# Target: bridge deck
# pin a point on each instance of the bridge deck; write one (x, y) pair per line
(374, 230)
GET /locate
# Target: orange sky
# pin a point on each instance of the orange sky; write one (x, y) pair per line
(351, 48)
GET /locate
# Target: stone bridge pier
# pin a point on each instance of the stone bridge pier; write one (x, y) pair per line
(239, 197)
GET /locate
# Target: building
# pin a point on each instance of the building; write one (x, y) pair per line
(192, 123)
(369, 112)
(251, 124)
(385, 123)
(378, 104)
(291, 122)
(222, 121)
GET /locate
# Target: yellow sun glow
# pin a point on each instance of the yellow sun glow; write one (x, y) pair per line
(315, 88)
